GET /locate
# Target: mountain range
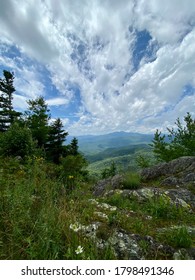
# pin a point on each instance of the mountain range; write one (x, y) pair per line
(93, 144)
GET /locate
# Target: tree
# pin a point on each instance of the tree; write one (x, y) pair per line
(73, 166)
(56, 138)
(73, 147)
(37, 118)
(109, 172)
(16, 141)
(7, 113)
(181, 141)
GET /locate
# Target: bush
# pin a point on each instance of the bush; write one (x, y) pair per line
(16, 141)
(131, 181)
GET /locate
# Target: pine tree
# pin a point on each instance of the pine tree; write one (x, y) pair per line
(7, 114)
(181, 141)
(73, 147)
(56, 138)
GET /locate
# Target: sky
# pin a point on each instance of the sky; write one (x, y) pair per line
(102, 65)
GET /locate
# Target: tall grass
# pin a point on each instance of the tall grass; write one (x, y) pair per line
(36, 214)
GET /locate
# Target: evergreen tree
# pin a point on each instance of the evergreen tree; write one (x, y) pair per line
(73, 147)
(56, 138)
(7, 113)
(181, 141)
(37, 118)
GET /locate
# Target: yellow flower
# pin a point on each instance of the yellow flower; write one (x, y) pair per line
(70, 177)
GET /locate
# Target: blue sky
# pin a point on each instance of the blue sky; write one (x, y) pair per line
(102, 66)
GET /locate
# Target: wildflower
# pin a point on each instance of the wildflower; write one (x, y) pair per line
(118, 191)
(93, 201)
(70, 177)
(113, 208)
(101, 215)
(105, 205)
(75, 227)
(79, 250)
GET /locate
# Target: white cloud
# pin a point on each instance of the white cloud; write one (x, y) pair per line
(58, 101)
(87, 46)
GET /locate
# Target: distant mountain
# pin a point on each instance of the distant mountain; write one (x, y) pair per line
(93, 144)
(117, 152)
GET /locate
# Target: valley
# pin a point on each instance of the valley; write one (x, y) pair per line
(122, 148)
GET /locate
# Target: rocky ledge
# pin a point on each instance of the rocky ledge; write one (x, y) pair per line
(170, 185)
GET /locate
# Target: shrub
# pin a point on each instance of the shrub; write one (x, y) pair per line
(16, 141)
(131, 181)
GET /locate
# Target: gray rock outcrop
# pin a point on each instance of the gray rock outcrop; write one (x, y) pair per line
(110, 183)
(180, 171)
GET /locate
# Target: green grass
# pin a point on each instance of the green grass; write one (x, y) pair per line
(36, 214)
(179, 237)
(131, 181)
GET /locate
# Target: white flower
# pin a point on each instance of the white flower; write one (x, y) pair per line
(113, 208)
(118, 191)
(93, 201)
(101, 215)
(75, 227)
(79, 250)
(105, 206)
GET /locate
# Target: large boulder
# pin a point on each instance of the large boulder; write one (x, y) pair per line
(180, 171)
(110, 183)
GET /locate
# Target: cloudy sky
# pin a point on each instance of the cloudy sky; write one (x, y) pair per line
(102, 65)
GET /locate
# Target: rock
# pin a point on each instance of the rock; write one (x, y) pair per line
(125, 246)
(181, 194)
(176, 180)
(111, 183)
(170, 181)
(184, 254)
(175, 172)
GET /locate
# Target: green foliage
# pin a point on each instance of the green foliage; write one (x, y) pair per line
(36, 216)
(72, 168)
(73, 148)
(16, 141)
(143, 161)
(7, 114)
(178, 237)
(161, 207)
(37, 118)
(116, 152)
(56, 138)
(181, 141)
(131, 180)
(109, 172)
